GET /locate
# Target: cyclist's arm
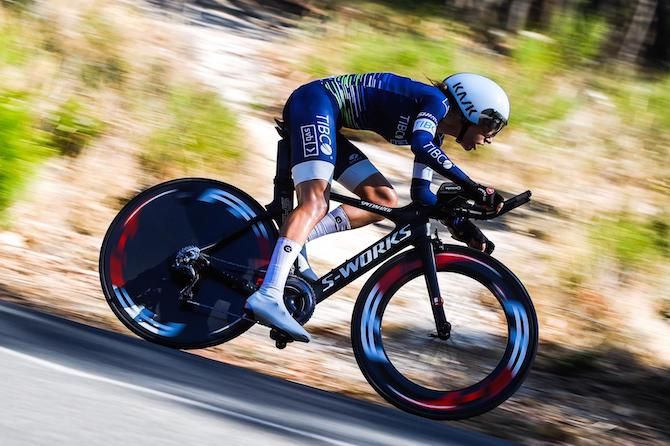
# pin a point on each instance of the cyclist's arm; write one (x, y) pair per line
(419, 190)
(427, 152)
(423, 142)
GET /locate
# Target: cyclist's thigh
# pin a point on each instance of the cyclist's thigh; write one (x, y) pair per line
(312, 120)
(352, 167)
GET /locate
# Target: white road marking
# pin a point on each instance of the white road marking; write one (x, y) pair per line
(169, 396)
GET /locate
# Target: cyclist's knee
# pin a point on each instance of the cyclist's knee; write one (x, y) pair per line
(386, 196)
(315, 206)
(313, 198)
(383, 195)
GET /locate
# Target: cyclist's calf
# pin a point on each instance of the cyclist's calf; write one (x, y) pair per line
(377, 190)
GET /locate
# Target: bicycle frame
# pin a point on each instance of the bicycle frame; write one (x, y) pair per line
(412, 229)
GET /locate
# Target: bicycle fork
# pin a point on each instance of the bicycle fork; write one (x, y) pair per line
(427, 253)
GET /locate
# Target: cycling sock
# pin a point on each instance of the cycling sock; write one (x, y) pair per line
(283, 256)
(335, 221)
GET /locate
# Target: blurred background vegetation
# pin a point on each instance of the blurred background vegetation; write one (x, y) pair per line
(589, 134)
(589, 83)
(71, 76)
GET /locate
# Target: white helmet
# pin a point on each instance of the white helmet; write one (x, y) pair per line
(480, 100)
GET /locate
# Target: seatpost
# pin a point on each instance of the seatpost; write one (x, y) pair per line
(282, 202)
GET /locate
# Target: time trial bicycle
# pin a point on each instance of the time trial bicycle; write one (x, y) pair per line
(439, 330)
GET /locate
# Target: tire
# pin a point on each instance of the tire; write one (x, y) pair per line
(484, 361)
(140, 246)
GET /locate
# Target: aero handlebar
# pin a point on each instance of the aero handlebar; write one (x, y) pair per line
(477, 212)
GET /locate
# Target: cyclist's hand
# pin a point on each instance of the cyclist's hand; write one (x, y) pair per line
(467, 232)
(486, 196)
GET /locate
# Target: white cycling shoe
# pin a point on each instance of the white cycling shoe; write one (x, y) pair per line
(303, 266)
(272, 312)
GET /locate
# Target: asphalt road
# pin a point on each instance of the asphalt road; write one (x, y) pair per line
(66, 383)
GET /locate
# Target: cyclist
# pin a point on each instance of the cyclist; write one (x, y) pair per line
(470, 107)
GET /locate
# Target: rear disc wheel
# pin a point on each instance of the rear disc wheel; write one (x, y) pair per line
(139, 249)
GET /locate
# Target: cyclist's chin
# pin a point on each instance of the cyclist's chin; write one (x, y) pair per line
(468, 144)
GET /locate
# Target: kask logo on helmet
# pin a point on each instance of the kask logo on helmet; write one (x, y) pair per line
(460, 93)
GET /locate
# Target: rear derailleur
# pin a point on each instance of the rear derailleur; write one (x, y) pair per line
(187, 266)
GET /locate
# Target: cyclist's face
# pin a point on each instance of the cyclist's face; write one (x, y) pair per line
(476, 135)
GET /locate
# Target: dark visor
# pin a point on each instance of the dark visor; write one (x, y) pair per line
(492, 120)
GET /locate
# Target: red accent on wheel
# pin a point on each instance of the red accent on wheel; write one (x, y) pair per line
(446, 258)
(265, 251)
(447, 400)
(118, 258)
(500, 382)
(472, 396)
(395, 273)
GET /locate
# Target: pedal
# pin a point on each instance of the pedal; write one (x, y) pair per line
(280, 338)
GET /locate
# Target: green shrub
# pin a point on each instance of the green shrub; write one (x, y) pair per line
(21, 149)
(537, 61)
(573, 40)
(12, 41)
(578, 38)
(200, 130)
(17, 4)
(535, 56)
(106, 70)
(382, 13)
(71, 129)
(406, 54)
(643, 104)
(375, 51)
(632, 242)
(533, 112)
(659, 105)
(103, 60)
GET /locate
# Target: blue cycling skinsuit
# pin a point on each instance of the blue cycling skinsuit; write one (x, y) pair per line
(403, 111)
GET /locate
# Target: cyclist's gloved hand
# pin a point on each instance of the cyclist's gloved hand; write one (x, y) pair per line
(485, 196)
(467, 232)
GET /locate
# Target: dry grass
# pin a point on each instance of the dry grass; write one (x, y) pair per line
(601, 369)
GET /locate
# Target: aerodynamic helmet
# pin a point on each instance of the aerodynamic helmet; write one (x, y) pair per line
(480, 100)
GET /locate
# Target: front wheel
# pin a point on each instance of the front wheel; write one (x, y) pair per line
(491, 344)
